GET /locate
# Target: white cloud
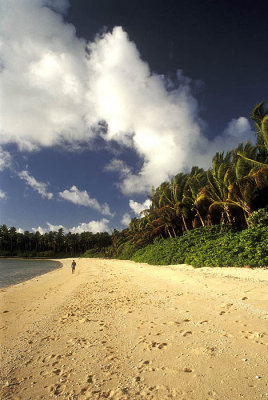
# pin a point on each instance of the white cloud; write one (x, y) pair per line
(39, 187)
(82, 198)
(160, 124)
(43, 75)
(119, 166)
(50, 228)
(5, 159)
(126, 219)
(3, 195)
(139, 207)
(91, 226)
(55, 228)
(39, 229)
(55, 92)
(238, 130)
(20, 230)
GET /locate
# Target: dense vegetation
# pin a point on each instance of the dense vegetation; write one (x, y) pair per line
(210, 247)
(52, 244)
(215, 217)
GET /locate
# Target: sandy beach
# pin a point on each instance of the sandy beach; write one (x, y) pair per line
(121, 330)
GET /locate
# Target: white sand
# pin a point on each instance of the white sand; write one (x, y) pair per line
(121, 330)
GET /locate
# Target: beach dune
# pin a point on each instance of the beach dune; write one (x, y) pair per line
(121, 330)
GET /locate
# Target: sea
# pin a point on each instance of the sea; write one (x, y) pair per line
(13, 271)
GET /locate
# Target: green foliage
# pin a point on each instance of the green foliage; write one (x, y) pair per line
(95, 253)
(228, 194)
(126, 251)
(50, 244)
(259, 219)
(215, 246)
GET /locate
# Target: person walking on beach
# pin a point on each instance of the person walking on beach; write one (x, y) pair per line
(73, 266)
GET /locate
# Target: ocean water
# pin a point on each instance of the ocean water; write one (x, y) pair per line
(14, 271)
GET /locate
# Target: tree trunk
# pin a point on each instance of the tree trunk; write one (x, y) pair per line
(169, 232)
(173, 231)
(184, 222)
(227, 212)
(222, 218)
(246, 218)
(201, 219)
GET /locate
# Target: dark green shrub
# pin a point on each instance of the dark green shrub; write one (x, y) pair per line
(95, 253)
(259, 219)
(126, 251)
(215, 246)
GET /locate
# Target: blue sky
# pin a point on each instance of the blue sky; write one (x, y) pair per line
(100, 101)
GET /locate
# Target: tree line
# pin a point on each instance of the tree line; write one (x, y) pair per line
(226, 194)
(13, 243)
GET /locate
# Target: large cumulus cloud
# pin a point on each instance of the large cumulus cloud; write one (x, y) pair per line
(43, 75)
(59, 89)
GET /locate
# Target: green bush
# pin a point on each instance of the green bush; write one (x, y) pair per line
(259, 219)
(105, 252)
(94, 253)
(126, 251)
(216, 246)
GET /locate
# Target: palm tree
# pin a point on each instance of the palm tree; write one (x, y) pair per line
(181, 199)
(260, 117)
(197, 179)
(215, 192)
(160, 217)
(244, 191)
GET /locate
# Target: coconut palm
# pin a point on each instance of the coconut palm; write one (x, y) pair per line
(181, 199)
(245, 190)
(215, 192)
(260, 117)
(197, 179)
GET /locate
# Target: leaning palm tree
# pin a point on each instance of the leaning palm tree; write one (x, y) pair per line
(245, 190)
(197, 179)
(260, 117)
(161, 216)
(215, 192)
(182, 201)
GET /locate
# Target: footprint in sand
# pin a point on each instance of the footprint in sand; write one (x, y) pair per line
(57, 371)
(138, 379)
(187, 369)
(171, 323)
(56, 389)
(51, 359)
(202, 322)
(256, 336)
(155, 345)
(144, 365)
(227, 308)
(50, 338)
(186, 333)
(90, 379)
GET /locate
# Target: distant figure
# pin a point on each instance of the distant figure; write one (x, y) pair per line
(73, 266)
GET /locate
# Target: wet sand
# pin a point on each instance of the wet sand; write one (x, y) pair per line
(121, 330)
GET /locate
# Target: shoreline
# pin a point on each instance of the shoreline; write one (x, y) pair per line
(123, 330)
(221, 271)
(59, 265)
